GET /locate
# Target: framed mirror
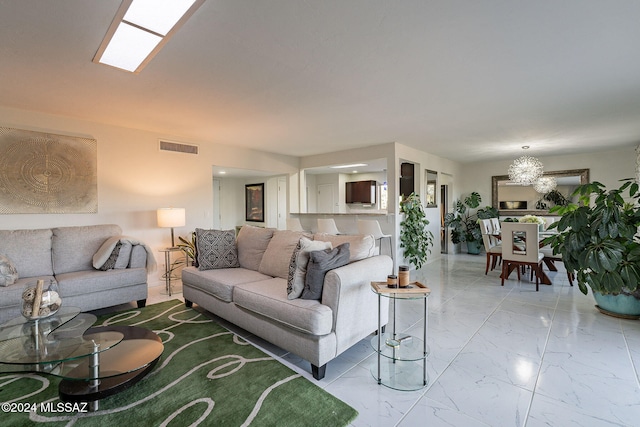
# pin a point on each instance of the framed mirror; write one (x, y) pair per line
(518, 200)
(431, 179)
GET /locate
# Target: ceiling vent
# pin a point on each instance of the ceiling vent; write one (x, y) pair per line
(178, 147)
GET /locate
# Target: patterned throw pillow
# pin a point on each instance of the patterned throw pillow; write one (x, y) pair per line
(110, 263)
(216, 249)
(8, 272)
(298, 265)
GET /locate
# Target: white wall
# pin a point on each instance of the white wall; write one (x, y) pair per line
(135, 178)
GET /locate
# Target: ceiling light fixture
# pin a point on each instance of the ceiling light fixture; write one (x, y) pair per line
(354, 165)
(545, 184)
(525, 170)
(140, 29)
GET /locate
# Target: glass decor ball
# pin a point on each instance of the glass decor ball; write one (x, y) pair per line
(525, 170)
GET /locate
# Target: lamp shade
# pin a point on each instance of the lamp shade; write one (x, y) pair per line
(171, 217)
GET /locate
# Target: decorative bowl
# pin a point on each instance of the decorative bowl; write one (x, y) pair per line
(45, 299)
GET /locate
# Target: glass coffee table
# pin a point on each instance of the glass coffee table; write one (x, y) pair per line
(94, 362)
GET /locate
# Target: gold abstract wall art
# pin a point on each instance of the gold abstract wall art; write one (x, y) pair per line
(47, 173)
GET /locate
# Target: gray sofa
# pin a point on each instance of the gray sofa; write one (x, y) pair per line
(254, 296)
(65, 254)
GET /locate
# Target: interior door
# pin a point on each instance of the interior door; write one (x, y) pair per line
(326, 198)
(217, 220)
(282, 203)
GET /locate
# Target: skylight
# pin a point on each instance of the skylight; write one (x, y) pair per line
(140, 29)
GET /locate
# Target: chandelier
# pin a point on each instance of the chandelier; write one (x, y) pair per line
(545, 184)
(525, 170)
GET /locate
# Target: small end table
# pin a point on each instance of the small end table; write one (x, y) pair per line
(402, 353)
(167, 266)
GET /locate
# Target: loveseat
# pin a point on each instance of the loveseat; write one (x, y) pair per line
(66, 255)
(257, 294)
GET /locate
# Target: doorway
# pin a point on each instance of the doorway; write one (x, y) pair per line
(444, 232)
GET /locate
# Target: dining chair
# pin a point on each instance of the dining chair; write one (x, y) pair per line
(493, 250)
(328, 226)
(495, 230)
(373, 228)
(294, 224)
(520, 247)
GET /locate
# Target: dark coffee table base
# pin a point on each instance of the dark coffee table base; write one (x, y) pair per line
(81, 390)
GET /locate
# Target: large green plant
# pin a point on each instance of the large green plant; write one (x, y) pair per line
(599, 241)
(415, 239)
(463, 221)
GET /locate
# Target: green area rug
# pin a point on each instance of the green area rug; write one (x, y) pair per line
(207, 376)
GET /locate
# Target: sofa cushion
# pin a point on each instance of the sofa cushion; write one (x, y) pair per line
(216, 249)
(269, 298)
(11, 296)
(360, 246)
(30, 251)
(220, 282)
(298, 265)
(320, 262)
(276, 259)
(8, 272)
(91, 281)
(252, 242)
(74, 247)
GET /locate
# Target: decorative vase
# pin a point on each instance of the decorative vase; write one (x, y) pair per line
(40, 301)
(473, 247)
(623, 304)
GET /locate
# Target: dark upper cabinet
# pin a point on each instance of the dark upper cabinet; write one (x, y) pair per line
(361, 192)
(407, 173)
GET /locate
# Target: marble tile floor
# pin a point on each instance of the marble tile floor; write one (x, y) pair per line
(499, 356)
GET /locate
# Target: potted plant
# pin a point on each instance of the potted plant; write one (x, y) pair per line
(189, 247)
(415, 239)
(463, 221)
(599, 242)
(554, 197)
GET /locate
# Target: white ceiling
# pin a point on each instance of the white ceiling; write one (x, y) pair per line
(465, 80)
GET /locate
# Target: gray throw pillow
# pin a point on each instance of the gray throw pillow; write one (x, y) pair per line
(320, 262)
(216, 249)
(8, 272)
